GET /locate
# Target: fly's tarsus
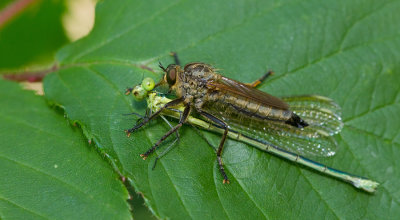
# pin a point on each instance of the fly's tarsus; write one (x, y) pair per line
(222, 170)
(261, 79)
(221, 144)
(128, 91)
(138, 121)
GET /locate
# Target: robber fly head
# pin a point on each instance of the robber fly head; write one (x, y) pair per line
(171, 73)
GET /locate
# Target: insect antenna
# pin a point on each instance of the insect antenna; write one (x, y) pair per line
(161, 66)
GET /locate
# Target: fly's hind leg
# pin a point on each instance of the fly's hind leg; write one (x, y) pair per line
(221, 144)
(261, 79)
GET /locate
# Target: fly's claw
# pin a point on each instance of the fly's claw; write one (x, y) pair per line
(150, 151)
(226, 180)
(129, 131)
(128, 91)
(139, 123)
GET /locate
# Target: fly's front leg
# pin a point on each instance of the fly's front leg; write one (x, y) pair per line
(140, 117)
(261, 79)
(147, 119)
(176, 59)
(221, 143)
(185, 115)
(128, 91)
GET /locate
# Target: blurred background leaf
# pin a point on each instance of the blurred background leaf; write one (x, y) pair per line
(31, 31)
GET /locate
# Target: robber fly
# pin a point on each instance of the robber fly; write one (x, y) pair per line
(198, 87)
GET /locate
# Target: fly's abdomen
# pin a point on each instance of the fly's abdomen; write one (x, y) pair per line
(228, 105)
(251, 109)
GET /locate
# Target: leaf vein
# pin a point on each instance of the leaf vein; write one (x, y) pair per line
(360, 19)
(250, 197)
(318, 193)
(69, 185)
(333, 54)
(36, 129)
(109, 40)
(221, 31)
(218, 195)
(392, 103)
(24, 208)
(176, 190)
(362, 167)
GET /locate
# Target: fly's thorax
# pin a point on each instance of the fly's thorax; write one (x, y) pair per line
(193, 83)
(201, 69)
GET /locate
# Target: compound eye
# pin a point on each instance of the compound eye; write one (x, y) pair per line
(171, 76)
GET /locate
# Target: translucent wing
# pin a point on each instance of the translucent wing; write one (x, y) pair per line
(322, 114)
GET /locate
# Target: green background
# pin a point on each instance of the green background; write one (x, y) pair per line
(32, 37)
(345, 50)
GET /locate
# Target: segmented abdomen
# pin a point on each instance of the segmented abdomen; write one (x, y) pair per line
(243, 107)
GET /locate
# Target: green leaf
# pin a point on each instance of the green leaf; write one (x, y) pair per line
(48, 171)
(345, 50)
(32, 35)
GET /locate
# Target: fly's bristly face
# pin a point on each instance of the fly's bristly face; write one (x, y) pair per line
(172, 76)
(172, 72)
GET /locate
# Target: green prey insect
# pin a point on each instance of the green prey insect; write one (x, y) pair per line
(156, 102)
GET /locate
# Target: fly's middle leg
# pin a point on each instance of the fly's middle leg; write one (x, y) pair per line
(171, 145)
(221, 144)
(261, 79)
